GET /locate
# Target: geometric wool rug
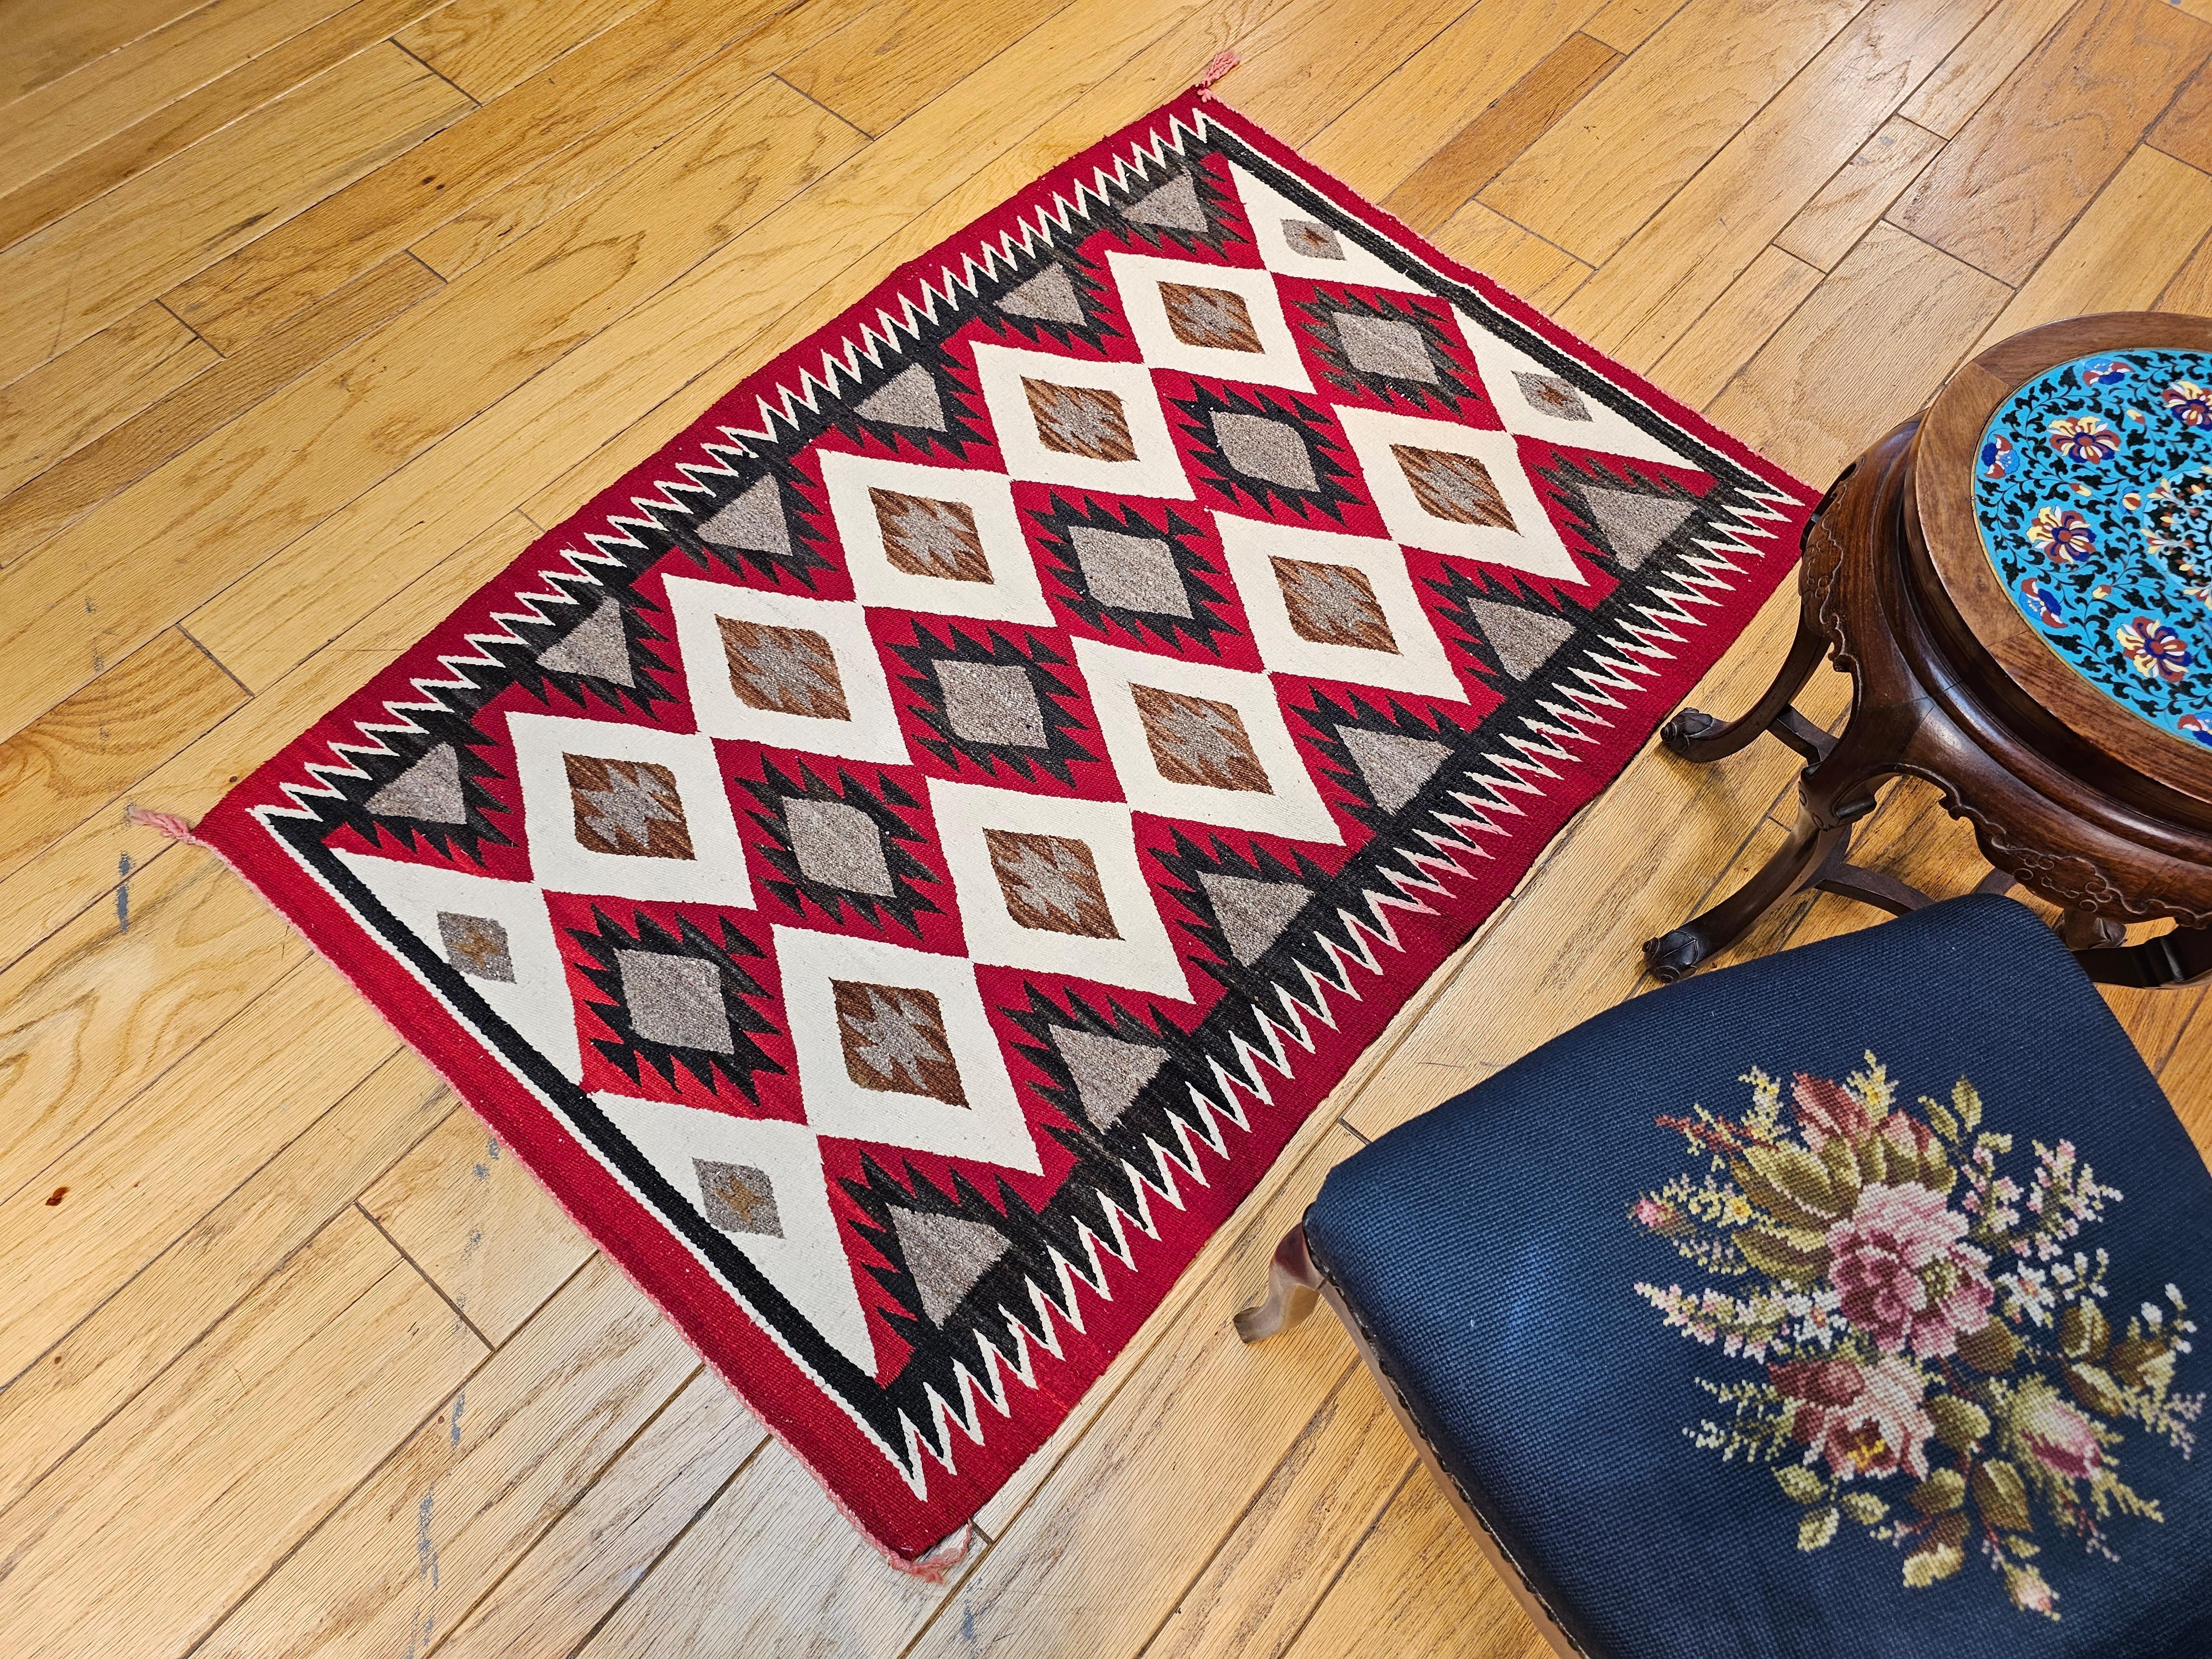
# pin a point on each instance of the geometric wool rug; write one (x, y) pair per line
(900, 865)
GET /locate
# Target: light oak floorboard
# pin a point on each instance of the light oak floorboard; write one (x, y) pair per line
(486, 48)
(1523, 261)
(1984, 62)
(69, 401)
(1827, 227)
(45, 42)
(897, 55)
(1698, 364)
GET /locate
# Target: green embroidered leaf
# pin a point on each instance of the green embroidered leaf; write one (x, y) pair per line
(1936, 1172)
(1931, 1563)
(1802, 1484)
(1842, 1164)
(1817, 1527)
(2142, 1363)
(1968, 1103)
(1863, 1507)
(2001, 1497)
(2083, 1331)
(1800, 1175)
(1959, 1424)
(1941, 1491)
(1991, 1349)
(2094, 1388)
(1871, 1166)
(1940, 1115)
(1798, 1257)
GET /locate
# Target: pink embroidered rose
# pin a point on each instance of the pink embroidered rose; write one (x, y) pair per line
(1904, 1274)
(1865, 1420)
(2060, 1437)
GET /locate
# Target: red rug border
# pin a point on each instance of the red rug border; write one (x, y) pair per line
(789, 1401)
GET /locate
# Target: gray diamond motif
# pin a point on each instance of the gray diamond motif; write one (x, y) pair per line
(1263, 448)
(1135, 572)
(991, 702)
(1387, 346)
(677, 1001)
(837, 845)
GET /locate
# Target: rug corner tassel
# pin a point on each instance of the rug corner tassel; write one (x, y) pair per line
(1222, 62)
(163, 824)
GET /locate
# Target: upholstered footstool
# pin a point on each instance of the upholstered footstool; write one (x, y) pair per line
(1833, 1306)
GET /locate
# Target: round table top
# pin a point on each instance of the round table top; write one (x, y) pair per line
(2062, 484)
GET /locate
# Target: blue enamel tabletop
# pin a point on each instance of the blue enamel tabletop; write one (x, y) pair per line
(2093, 489)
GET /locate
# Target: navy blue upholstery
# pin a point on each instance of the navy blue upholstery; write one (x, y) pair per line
(1906, 1447)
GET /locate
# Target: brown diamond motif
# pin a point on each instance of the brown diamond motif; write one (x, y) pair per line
(1455, 487)
(893, 1039)
(1050, 883)
(1080, 420)
(738, 1198)
(1211, 317)
(1333, 605)
(926, 537)
(1198, 740)
(784, 670)
(477, 946)
(629, 807)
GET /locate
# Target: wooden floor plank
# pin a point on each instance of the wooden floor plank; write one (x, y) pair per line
(1712, 349)
(412, 1549)
(1985, 60)
(1827, 227)
(2004, 190)
(46, 42)
(897, 55)
(2123, 250)
(1295, 92)
(487, 47)
(104, 379)
(1625, 25)
(1254, 1595)
(84, 752)
(2185, 131)
(159, 94)
(586, 1562)
(83, 271)
(274, 276)
(134, 1183)
(2191, 290)
(478, 1225)
(1671, 108)
(102, 1007)
(81, 869)
(1650, 292)
(1810, 392)
(135, 1335)
(251, 1438)
(1513, 67)
(1433, 192)
(120, 457)
(219, 507)
(1544, 276)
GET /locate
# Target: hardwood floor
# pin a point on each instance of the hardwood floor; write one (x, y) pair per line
(318, 309)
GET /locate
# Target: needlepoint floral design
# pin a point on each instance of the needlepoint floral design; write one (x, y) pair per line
(1926, 1344)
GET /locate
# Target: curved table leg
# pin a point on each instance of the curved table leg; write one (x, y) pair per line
(1712, 932)
(1697, 736)
(2180, 958)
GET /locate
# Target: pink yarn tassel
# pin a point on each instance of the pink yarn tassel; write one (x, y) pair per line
(163, 824)
(1224, 61)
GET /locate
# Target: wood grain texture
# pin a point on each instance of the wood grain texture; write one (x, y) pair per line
(1672, 107)
(411, 1550)
(478, 1225)
(2185, 131)
(90, 267)
(139, 1331)
(1810, 393)
(2123, 250)
(88, 749)
(347, 232)
(1526, 109)
(252, 1438)
(1625, 25)
(486, 48)
(125, 112)
(1712, 349)
(2191, 290)
(64, 404)
(46, 42)
(1826, 226)
(896, 57)
(1543, 275)
(1519, 60)
(1664, 277)
(2004, 192)
(218, 394)
(1985, 60)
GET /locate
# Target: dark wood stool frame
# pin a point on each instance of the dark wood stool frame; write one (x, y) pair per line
(2101, 813)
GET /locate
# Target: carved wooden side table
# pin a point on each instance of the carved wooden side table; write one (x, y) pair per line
(2019, 581)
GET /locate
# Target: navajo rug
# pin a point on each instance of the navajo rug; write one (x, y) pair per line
(900, 864)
